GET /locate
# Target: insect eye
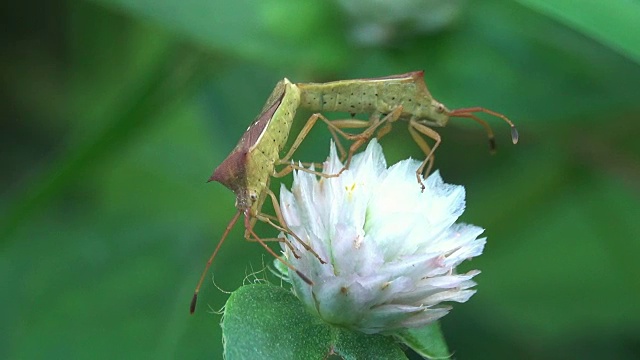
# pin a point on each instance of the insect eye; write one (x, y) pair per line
(440, 108)
(253, 196)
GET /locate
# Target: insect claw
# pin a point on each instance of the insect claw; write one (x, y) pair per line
(418, 176)
(492, 145)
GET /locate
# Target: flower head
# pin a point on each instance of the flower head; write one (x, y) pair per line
(390, 249)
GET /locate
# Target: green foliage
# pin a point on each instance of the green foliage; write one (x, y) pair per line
(115, 112)
(427, 341)
(253, 30)
(269, 322)
(614, 23)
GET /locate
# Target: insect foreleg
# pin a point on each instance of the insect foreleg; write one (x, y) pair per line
(305, 131)
(283, 227)
(251, 233)
(305, 167)
(290, 167)
(249, 238)
(415, 129)
(301, 136)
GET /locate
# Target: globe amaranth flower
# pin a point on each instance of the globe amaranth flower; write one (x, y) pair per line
(390, 249)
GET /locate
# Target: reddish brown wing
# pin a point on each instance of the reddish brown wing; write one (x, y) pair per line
(232, 171)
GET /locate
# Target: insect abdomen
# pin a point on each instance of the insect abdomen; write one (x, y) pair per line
(359, 96)
(344, 96)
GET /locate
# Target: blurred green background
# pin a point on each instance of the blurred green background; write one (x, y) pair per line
(115, 112)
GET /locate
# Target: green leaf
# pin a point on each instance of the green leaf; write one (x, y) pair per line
(427, 341)
(269, 31)
(267, 322)
(175, 78)
(614, 22)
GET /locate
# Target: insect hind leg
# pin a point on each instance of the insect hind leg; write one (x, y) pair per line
(415, 129)
(372, 125)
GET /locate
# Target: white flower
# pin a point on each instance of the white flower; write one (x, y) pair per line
(390, 249)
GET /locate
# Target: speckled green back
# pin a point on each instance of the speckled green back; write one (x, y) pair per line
(266, 150)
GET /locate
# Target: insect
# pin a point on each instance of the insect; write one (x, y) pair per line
(248, 169)
(387, 99)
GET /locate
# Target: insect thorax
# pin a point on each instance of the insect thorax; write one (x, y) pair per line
(265, 152)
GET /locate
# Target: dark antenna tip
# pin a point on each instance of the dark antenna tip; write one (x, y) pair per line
(192, 308)
(492, 145)
(304, 277)
(514, 134)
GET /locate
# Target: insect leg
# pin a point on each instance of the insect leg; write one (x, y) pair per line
(337, 125)
(290, 167)
(268, 220)
(285, 228)
(303, 134)
(374, 121)
(384, 130)
(338, 143)
(283, 261)
(415, 128)
(264, 217)
(247, 236)
(233, 221)
(364, 136)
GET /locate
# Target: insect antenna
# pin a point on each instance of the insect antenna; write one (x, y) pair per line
(469, 113)
(192, 307)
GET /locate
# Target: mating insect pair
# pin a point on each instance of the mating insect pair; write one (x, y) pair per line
(248, 169)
